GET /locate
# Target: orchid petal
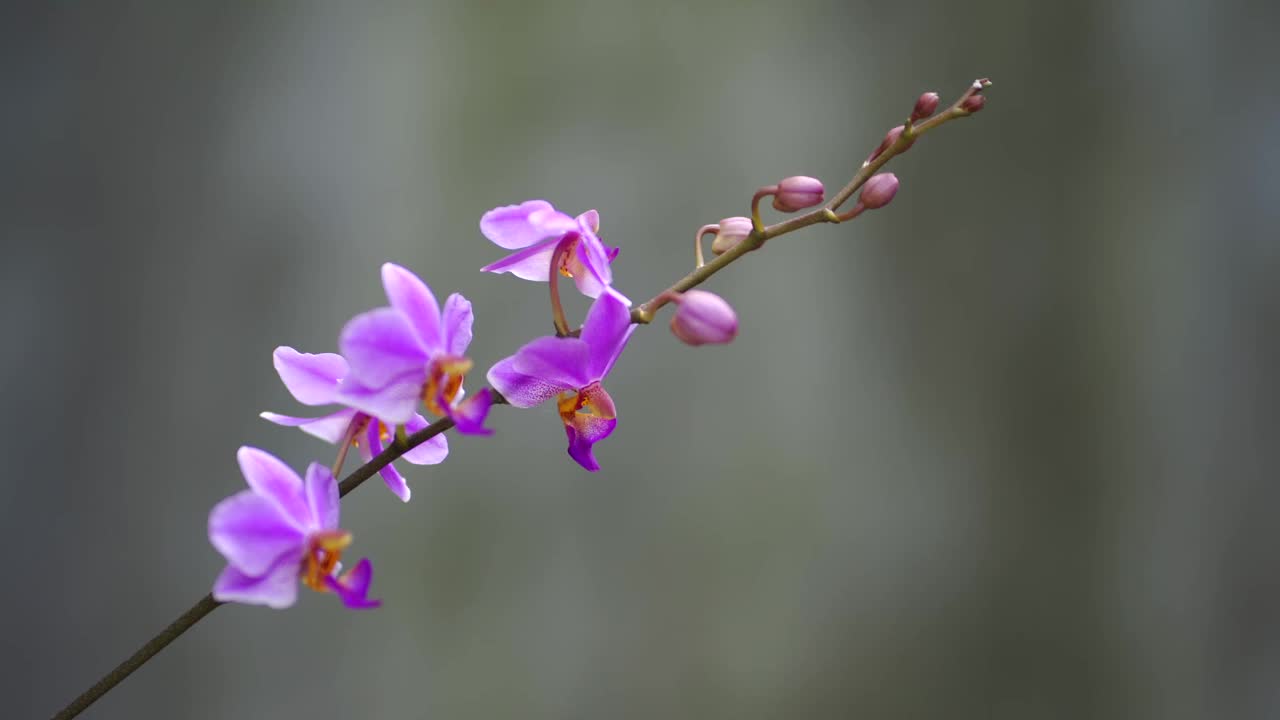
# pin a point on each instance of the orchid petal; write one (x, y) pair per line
(521, 390)
(353, 587)
(589, 220)
(594, 257)
(531, 263)
(583, 432)
(458, 319)
(322, 496)
(251, 534)
(431, 452)
(606, 331)
(276, 483)
(393, 479)
(277, 588)
(407, 293)
(394, 404)
(382, 346)
(330, 428)
(311, 379)
(517, 226)
(560, 361)
(469, 415)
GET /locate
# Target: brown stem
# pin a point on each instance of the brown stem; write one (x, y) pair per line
(553, 279)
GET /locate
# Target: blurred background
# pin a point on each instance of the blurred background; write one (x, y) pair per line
(1005, 449)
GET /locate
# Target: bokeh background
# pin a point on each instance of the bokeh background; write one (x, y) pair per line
(1005, 449)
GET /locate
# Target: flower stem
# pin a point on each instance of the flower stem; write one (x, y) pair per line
(553, 279)
(642, 314)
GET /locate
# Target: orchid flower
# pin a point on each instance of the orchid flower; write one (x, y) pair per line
(535, 228)
(571, 370)
(281, 530)
(412, 351)
(316, 380)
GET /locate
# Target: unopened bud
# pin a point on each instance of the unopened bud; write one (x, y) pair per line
(973, 103)
(889, 139)
(925, 107)
(879, 191)
(797, 193)
(704, 318)
(733, 230)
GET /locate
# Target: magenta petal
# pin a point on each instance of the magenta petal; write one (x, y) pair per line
(517, 226)
(522, 391)
(606, 331)
(458, 319)
(407, 293)
(532, 263)
(589, 220)
(585, 431)
(469, 415)
(353, 587)
(329, 428)
(431, 452)
(394, 481)
(595, 258)
(381, 346)
(311, 379)
(322, 496)
(393, 404)
(277, 588)
(250, 533)
(277, 483)
(559, 361)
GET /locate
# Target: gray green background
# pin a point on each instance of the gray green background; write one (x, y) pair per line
(1005, 449)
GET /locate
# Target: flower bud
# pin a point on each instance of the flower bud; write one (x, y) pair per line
(703, 318)
(879, 191)
(973, 103)
(797, 193)
(733, 230)
(925, 107)
(889, 139)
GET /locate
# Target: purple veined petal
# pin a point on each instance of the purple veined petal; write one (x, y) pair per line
(431, 452)
(564, 362)
(606, 331)
(407, 293)
(329, 428)
(469, 415)
(394, 403)
(277, 588)
(585, 431)
(531, 263)
(277, 483)
(458, 319)
(322, 496)
(382, 346)
(251, 534)
(522, 391)
(517, 226)
(352, 588)
(394, 480)
(311, 379)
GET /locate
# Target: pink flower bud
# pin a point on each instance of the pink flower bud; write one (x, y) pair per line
(733, 230)
(925, 107)
(879, 191)
(704, 318)
(890, 138)
(797, 193)
(973, 103)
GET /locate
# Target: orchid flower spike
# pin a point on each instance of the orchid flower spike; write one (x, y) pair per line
(411, 352)
(317, 380)
(281, 530)
(534, 228)
(571, 370)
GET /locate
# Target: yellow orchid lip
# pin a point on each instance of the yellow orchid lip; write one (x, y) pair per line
(324, 550)
(444, 381)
